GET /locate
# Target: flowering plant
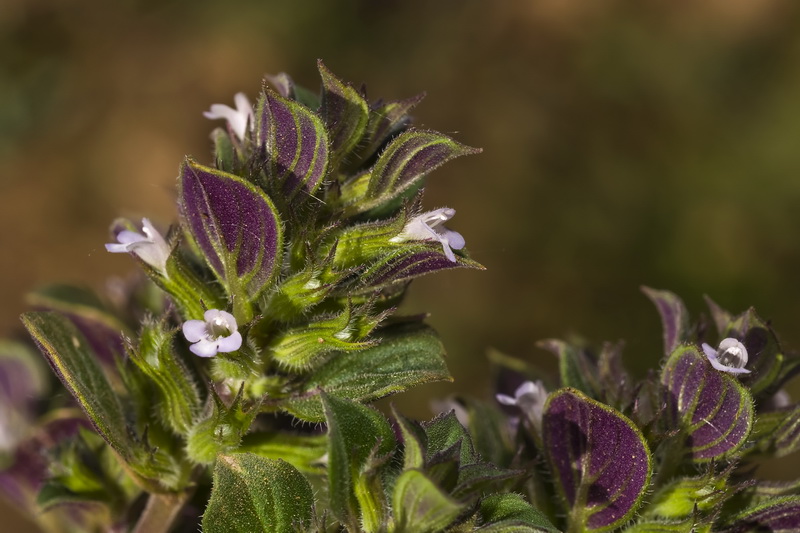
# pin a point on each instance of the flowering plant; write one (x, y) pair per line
(228, 387)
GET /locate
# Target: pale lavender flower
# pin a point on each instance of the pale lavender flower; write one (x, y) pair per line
(149, 246)
(428, 227)
(217, 332)
(731, 356)
(529, 397)
(238, 118)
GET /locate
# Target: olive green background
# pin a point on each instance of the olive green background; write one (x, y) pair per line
(625, 143)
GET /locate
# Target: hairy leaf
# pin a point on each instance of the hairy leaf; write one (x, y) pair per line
(781, 515)
(236, 227)
(712, 408)
(294, 145)
(403, 359)
(420, 506)
(253, 494)
(599, 458)
(345, 113)
(355, 432)
(507, 513)
(68, 353)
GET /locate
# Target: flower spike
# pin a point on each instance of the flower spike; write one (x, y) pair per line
(217, 332)
(149, 246)
(238, 118)
(428, 227)
(730, 357)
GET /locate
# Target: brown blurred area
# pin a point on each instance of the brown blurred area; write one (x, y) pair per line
(625, 143)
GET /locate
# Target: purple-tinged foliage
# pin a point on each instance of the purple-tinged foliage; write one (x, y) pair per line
(781, 515)
(599, 458)
(235, 225)
(406, 160)
(712, 409)
(345, 112)
(103, 331)
(674, 317)
(385, 120)
(293, 144)
(408, 263)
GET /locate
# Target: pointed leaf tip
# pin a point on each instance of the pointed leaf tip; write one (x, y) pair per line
(674, 317)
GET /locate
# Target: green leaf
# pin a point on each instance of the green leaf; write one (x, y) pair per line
(778, 432)
(355, 433)
(405, 357)
(179, 401)
(420, 506)
(510, 513)
(414, 440)
(682, 497)
(70, 357)
(252, 494)
(575, 367)
(304, 452)
(101, 329)
(345, 113)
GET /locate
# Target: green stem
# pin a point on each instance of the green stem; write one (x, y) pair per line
(160, 513)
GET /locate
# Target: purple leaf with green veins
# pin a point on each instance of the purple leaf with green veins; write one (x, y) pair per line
(294, 145)
(408, 158)
(781, 515)
(712, 408)
(345, 113)
(412, 261)
(674, 317)
(236, 227)
(599, 458)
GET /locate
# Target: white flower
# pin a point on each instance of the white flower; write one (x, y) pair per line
(731, 356)
(529, 397)
(237, 118)
(428, 227)
(217, 332)
(150, 246)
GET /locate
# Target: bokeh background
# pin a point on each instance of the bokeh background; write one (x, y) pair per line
(625, 143)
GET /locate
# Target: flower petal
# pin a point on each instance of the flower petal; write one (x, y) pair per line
(505, 399)
(204, 348)
(231, 343)
(194, 330)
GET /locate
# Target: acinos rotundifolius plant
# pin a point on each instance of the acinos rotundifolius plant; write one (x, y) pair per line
(227, 386)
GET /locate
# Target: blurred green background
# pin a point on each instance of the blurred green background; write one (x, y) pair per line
(625, 143)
